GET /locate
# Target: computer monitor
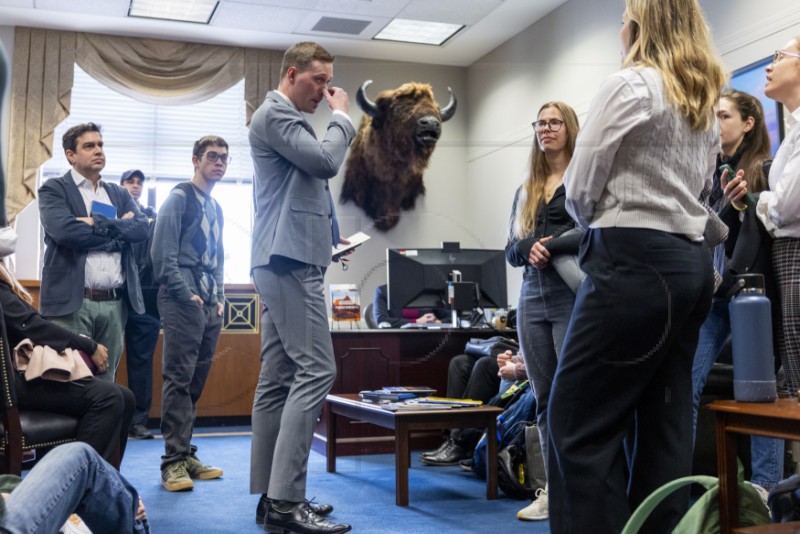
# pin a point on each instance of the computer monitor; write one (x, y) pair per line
(417, 278)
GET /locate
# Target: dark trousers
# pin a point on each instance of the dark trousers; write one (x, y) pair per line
(627, 356)
(104, 410)
(468, 380)
(191, 334)
(470, 377)
(141, 337)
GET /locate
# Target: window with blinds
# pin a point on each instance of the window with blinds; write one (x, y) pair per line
(158, 140)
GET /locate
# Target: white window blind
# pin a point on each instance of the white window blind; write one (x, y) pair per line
(158, 140)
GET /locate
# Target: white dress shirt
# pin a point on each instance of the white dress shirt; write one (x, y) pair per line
(637, 162)
(779, 208)
(103, 269)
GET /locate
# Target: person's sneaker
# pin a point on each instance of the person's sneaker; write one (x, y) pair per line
(538, 509)
(198, 470)
(174, 477)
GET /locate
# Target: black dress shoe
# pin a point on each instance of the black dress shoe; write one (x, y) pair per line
(301, 519)
(264, 503)
(442, 447)
(451, 455)
(139, 432)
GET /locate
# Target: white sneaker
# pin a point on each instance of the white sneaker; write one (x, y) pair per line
(538, 509)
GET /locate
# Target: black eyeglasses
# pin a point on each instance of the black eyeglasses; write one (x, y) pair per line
(224, 158)
(779, 55)
(553, 125)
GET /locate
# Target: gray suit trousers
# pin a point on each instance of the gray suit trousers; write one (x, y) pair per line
(297, 371)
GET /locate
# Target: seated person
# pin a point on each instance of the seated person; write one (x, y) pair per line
(385, 319)
(72, 478)
(483, 384)
(103, 409)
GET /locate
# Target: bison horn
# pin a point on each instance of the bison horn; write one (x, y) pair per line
(450, 109)
(366, 105)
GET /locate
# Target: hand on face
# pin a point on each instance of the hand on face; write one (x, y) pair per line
(337, 99)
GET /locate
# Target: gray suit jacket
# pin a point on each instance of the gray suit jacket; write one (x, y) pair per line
(68, 242)
(292, 169)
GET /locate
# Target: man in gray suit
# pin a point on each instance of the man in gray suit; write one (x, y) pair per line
(295, 226)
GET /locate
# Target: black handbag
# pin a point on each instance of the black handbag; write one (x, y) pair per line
(491, 346)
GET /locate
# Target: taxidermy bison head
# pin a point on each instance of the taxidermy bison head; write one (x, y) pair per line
(391, 151)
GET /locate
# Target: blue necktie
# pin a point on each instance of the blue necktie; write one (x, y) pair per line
(334, 221)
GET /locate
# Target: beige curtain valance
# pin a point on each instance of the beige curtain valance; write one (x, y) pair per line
(151, 70)
(160, 72)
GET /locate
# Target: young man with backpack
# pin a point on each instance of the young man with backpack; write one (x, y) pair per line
(187, 256)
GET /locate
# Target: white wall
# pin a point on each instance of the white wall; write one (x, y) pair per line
(440, 215)
(565, 56)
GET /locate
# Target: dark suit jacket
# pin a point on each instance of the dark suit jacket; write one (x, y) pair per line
(69, 240)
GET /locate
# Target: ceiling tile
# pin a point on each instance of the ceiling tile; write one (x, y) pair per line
(364, 8)
(257, 17)
(454, 11)
(111, 8)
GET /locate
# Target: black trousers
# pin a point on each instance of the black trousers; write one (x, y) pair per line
(141, 337)
(627, 357)
(470, 377)
(104, 409)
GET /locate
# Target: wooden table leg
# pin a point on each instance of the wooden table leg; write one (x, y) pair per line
(401, 455)
(330, 443)
(491, 457)
(728, 480)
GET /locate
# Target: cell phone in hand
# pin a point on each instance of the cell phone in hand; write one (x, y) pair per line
(748, 200)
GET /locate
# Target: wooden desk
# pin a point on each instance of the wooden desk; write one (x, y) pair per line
(780, 419)
(348, 405)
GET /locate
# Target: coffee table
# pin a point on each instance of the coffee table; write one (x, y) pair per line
(779, 419)
(403, 423)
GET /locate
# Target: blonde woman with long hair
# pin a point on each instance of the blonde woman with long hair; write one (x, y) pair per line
(645, 153)
(539, 222)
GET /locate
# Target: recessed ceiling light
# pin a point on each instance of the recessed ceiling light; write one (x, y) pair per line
(418, 31)
(180, 10)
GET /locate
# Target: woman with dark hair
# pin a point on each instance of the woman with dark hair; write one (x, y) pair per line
(103, 409)
(539, 222)
(745, 146)
(646, 151)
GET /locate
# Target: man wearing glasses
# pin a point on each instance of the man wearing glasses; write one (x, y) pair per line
(188, 260)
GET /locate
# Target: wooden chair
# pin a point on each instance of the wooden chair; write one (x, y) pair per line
(25, 430)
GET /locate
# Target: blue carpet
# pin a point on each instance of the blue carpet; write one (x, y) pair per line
(442, 499)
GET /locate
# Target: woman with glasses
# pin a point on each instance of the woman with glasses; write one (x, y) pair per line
(779, 208)
(645, 153)
(538, 223)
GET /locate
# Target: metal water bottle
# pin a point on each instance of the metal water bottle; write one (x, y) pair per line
(751, 340)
